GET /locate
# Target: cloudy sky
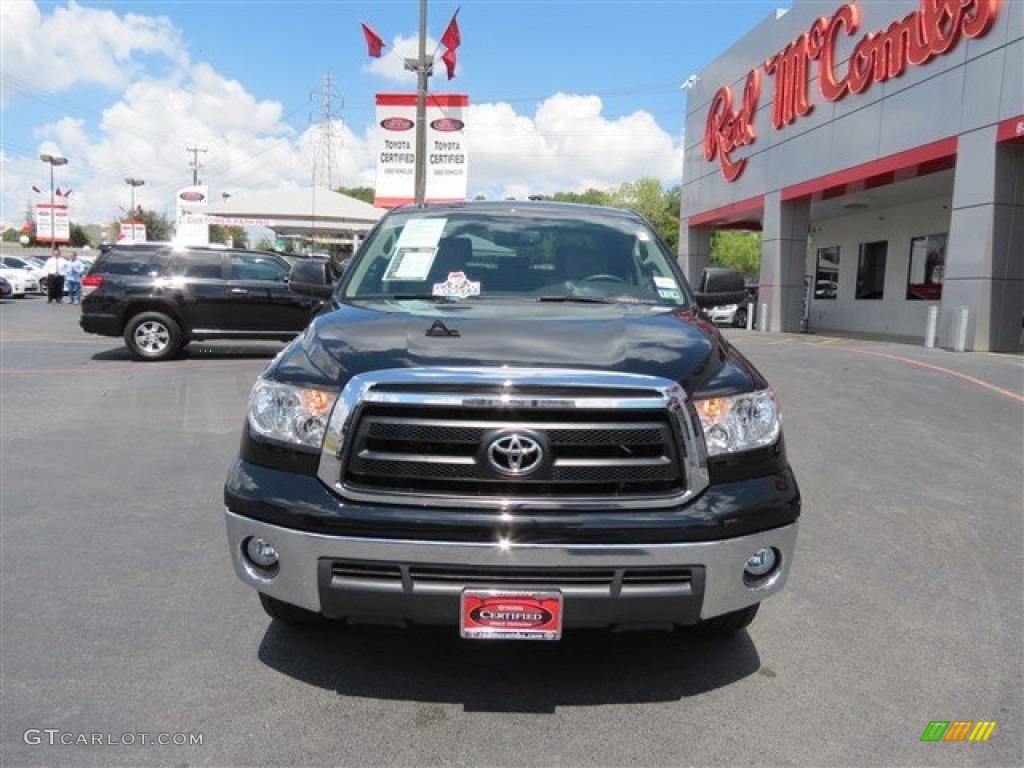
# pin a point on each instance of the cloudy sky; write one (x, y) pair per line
(564, 95)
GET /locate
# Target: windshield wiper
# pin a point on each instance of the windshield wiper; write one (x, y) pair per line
(577, 299)
(418, 296)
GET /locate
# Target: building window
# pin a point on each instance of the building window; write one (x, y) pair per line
(927, 268)
(871, 270)
(826, 277)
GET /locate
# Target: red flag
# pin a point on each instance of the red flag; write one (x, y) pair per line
(67, 193)
(451, 37)
(373, 42)
(36, 189)
(57, 192)
(448, 57)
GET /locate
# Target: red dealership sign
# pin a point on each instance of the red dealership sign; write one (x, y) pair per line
(935, 28)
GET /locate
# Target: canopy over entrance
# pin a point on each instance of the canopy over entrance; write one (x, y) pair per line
(317, 213)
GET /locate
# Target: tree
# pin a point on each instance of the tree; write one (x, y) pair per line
(646, 197)
(366, 194)
(737, 250)
(79, 237)
(590, 197)
(157, 225)
(236, 237)
(11, 235)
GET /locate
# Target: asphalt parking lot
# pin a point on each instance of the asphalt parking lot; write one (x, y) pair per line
(121, 615)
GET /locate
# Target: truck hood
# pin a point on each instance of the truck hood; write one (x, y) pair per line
(677, 345)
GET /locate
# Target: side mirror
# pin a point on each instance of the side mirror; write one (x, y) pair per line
(720, 286)
(309, 278)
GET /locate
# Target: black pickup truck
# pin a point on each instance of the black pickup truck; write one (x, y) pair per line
(512, 418)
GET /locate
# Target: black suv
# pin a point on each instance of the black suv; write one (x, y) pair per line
(161, 298)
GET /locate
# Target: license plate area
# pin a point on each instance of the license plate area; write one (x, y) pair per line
(511, 614)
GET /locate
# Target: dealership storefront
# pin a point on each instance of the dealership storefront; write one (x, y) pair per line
(879, 150)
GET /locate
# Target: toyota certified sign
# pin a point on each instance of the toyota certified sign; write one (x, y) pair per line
(445, 164)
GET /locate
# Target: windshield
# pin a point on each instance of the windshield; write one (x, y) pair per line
(537, 254)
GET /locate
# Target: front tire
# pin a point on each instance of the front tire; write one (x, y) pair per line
(730, 623)
(152, 336)
(288, 613)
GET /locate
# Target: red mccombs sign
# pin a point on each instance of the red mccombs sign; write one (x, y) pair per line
(933, 29)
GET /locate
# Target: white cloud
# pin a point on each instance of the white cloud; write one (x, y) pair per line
(391, 65)
(75, 45)
(567, 146)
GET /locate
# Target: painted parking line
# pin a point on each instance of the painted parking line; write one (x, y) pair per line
(158, 368)
(948, 371)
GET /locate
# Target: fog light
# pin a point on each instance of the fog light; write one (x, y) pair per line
(761, 562)
(260, 552)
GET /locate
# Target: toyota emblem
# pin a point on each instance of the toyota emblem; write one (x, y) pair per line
(515, 454)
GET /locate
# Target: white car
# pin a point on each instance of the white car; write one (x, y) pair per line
(729, 314)
(21, 281)
(29, 268)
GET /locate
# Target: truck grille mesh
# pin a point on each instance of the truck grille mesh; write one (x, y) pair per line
(424, 449)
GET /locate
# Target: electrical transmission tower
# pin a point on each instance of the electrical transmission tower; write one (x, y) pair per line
(325, 173)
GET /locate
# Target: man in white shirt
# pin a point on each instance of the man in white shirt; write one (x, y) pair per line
(56, 270)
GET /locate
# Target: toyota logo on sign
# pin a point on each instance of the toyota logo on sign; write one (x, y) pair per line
(396, 124)
(516, 455)
(447, 124)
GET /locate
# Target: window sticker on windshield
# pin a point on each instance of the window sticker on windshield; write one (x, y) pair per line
(421, 233)
(667, 287)
(642, 236)
(410, 264)
(457, 286)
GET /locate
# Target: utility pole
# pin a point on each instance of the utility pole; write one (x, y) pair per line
(195, 149)
(423, 66)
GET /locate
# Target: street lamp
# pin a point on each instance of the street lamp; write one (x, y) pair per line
(53, 160)
(133, 183)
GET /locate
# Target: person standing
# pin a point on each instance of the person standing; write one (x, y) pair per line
(75, 270)
(56, 270)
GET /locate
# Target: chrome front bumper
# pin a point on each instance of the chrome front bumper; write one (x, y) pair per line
(299, 578)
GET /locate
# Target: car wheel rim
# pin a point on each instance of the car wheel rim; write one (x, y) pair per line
(152, 338)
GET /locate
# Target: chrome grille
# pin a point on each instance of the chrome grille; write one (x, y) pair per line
(422, 449)
(426, 437)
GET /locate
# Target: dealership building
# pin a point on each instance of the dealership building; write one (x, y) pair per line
(878, 147)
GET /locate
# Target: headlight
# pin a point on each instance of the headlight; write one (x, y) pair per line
(296, 416)
(739, 423)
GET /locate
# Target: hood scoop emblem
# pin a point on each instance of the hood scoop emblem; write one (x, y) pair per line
(439, 329)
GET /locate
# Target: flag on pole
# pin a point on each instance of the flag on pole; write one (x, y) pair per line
(67, 193)
(374, 43)
(451, 37)
(448, 57)
(36, 189)
(57, 192)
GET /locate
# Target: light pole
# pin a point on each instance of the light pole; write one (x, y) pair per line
(53, 160)
(133, 183)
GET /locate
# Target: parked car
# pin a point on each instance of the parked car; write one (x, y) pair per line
(34, 271)
(735, 315)
(511, 418)
(21, 281)
(6, 291)
(159, 299)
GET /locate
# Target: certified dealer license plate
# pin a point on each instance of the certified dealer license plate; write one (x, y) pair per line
(496, 614)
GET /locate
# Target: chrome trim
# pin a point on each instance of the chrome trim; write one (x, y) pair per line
(371, 388)
(296, 581)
